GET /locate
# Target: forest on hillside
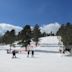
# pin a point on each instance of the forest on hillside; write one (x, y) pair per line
(24, 36)
(27, 34)
(65, 32)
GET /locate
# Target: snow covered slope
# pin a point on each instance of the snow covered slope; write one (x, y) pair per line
(50, 43)
(49, 40)
(49, 60)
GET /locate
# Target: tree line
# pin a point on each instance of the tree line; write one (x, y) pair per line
(65, 32)
(24, 36)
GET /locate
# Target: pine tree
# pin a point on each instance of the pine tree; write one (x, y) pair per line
(36, 33)
(6, 38)
(9, 37)
(26, 35)
(66, 33)
(12, 36)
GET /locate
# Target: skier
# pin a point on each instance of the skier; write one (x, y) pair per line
(14, 54)
(28, 50)
(32, 52)
(31, 48)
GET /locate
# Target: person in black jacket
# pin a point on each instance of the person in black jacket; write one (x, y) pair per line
(14, 54)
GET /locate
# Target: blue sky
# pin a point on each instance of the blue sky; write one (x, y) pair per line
(20, 12)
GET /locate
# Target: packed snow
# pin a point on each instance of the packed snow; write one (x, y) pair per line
(46, 58)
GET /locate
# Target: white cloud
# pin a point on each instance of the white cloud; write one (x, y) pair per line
(4, 27)
(52, 27)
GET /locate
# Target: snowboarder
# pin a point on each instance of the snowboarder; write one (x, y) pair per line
(14, 54)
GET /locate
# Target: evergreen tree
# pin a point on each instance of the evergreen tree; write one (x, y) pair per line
(6, 38)
(9, 37)
(12, 36)
(65, 33)
(36, 33)
(44, 34)
(19, 37)
(26, 35)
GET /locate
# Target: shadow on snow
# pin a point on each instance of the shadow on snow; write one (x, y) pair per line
(44, 51)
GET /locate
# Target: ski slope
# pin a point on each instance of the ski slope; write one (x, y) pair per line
(48, 60)
(50, 43)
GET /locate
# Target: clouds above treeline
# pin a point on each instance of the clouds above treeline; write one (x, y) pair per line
(4, 27)
(52, 27)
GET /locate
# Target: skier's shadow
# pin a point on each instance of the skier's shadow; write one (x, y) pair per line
(16, 58)
(70, 55)
(44, 51)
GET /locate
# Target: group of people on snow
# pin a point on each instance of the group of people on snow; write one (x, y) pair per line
(30, 50)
